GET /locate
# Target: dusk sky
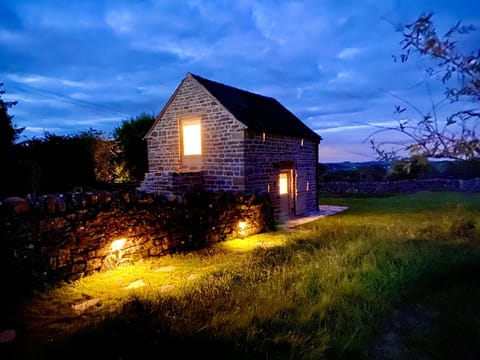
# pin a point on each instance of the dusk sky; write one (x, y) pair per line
(74, 65)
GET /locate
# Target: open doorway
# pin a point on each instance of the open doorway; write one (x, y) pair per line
(286, 186)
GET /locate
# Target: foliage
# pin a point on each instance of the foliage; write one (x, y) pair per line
(59, 163)
(432, 135)
(56, 163)
(105, 153)
(8, 133)
(462, 169)
(134, 149)
(323, 291)
(417, 167)
(354, 172)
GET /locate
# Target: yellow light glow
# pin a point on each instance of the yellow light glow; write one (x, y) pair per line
(242, 225)
(192, 139)
(252, 243)
(118, 244)
(283, 184)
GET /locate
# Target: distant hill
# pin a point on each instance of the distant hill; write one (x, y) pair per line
(347, 165)
(375, 170)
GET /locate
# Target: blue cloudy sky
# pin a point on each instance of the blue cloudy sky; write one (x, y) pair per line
(74, 65)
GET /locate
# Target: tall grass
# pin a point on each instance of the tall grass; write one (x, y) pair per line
(323, 290)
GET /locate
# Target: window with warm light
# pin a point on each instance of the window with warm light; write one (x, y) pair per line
(283, 184)
(191, 136)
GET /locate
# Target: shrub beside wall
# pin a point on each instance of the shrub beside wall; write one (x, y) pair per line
(63, 237)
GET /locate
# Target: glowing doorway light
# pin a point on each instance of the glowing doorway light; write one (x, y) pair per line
(283, 184)
(192, 139)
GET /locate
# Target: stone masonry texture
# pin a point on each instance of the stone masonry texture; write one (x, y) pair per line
(63, 237)
(233, 157)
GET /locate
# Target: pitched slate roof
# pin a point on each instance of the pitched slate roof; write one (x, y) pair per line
(257, 111)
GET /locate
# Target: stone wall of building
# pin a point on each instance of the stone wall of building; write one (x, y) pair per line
(222, 159)
(172, 184)
(64, 237)
(233, 157)
(267, 153)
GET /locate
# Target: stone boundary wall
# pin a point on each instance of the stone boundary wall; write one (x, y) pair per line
(400, 186)
(63, 237)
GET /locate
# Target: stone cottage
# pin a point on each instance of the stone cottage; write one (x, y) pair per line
(225, 138)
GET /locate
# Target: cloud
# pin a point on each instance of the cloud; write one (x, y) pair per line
(342, 128)
(289, 25)
(45, 80)
(349, 53)
(10, 37)
(184, 48)
(342, 76)
(120, 21)
(94, 63)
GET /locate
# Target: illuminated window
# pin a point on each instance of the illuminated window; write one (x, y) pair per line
(192, 136)
(308, 186)
(283, 184)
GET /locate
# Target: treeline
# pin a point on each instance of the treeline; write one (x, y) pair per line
(398, 170)
(55, 163)
(60, 163)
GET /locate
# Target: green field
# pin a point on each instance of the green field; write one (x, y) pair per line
(390, 278)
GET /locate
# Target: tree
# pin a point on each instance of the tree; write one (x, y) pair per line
(55, 163)
(8, 133)
(431, 135)
(134, 148)
(9, 166)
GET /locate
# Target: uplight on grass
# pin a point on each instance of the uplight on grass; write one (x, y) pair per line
(118, 244)
(253, 242)
(242, 226)
(116, 254)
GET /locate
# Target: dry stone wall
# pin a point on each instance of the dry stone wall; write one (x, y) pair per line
(399, 186)
(64, 237)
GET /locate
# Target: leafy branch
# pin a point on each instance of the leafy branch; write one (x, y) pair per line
(426, 134)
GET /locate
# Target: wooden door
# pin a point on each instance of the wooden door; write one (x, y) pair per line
(301, 188)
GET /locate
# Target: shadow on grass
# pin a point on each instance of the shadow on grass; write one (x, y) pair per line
(441, 320)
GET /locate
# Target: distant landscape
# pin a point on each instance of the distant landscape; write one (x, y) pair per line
(390, 171)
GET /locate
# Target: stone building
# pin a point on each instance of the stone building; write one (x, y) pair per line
(225, 138)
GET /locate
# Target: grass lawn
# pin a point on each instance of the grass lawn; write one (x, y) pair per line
(390, 278)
